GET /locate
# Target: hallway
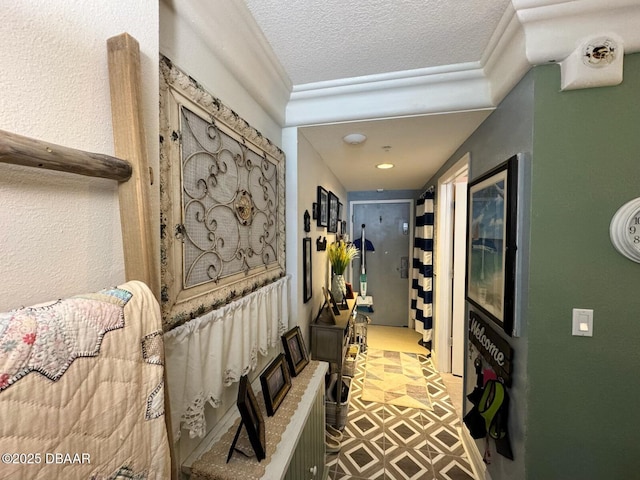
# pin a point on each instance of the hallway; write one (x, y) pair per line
(388, 442)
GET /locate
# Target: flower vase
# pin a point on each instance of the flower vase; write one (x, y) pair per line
(338, 287)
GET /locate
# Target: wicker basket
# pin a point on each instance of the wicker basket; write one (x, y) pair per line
(351, 361)
(339, 420)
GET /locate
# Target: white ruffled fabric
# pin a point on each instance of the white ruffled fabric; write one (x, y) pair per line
(211, 352)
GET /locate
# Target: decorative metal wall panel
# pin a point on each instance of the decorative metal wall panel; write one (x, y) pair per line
(222, 202)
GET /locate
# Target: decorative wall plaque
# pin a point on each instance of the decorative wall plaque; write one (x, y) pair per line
(495, 349)
(222, 202)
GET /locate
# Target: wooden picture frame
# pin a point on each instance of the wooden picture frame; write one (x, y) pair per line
(326, 316)
(307, 277)
(251, 419)
(332, 226)
(330, 302)
(276, 383)
(323, 207)
(295, 351)
(491, 243)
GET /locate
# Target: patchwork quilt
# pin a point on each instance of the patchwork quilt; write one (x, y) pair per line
(81, 388)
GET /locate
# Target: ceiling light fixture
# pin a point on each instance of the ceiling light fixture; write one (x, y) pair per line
(354, 138)
(385, 166)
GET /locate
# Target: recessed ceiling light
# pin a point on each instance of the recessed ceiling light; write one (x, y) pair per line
(385, 166)
(354, 138)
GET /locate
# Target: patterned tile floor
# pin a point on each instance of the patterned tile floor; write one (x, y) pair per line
(387, 442)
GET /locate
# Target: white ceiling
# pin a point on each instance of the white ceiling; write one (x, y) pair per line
(333, 39)
(333, 48)
(418, 147)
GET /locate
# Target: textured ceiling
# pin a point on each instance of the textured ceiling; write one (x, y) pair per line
(335, 39)
(318, 41)
(341, 54)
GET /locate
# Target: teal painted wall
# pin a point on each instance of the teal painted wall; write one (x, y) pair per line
(583, 415)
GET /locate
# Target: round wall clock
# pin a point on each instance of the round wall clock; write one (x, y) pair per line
(624, 230)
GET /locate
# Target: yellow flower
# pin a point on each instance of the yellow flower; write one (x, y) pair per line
(340, 254)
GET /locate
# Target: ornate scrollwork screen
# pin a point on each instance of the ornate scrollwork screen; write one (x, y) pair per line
(222, 202)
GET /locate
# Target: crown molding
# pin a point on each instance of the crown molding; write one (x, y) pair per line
(504, 60)
(531, 32)
(411, 92)
(555, 28)
(232, 35)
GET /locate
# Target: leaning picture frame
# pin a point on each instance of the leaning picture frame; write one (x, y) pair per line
(322, 207)
(251, 418)
(328, 318)
(332, 226)
(295, 351)
(307, 276)
(276, 383)
(491, 243)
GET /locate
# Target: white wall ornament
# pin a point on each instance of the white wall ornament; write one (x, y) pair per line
(222, 195)
(624, 230)
(597, 62)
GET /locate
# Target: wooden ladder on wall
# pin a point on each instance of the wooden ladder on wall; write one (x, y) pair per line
(130, 168)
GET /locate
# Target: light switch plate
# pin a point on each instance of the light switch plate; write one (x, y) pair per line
(582, 321)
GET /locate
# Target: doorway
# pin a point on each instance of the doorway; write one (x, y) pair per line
(388, 227)
(451, 235)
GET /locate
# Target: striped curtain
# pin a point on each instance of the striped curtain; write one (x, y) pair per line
(422, 283)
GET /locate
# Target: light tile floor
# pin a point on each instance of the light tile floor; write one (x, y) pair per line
(386, 442)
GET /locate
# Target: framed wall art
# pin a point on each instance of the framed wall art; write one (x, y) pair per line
(332, 227)
(276, 383)
(222, 200)
(295, 351)
(323, 207)
(307, 274)
(251, 419)
(491, 243)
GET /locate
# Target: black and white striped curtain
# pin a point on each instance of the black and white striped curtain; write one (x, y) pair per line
(422, 283)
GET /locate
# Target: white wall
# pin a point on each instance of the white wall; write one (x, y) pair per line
(220, 47)
(311, 173)
(225, 64)
(60, 233)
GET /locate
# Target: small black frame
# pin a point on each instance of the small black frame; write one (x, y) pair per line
(307, 275)
(295, 351)
(332, 227)
(276, 383)
(323, 207)
(251, 418)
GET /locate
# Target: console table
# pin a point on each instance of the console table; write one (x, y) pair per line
(330, 341)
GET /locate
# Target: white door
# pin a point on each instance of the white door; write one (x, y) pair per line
(459, 267)
(448, 349)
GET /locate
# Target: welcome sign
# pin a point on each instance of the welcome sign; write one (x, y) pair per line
(495, 350)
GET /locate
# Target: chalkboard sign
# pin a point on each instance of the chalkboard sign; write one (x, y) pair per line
(494, 349)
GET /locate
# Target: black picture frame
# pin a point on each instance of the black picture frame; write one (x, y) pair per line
(332, 227)
(491, 243)
(323, 207)
(307, 276)
(295, 351)
(276, 383)
(340, 211)
(251, 418)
